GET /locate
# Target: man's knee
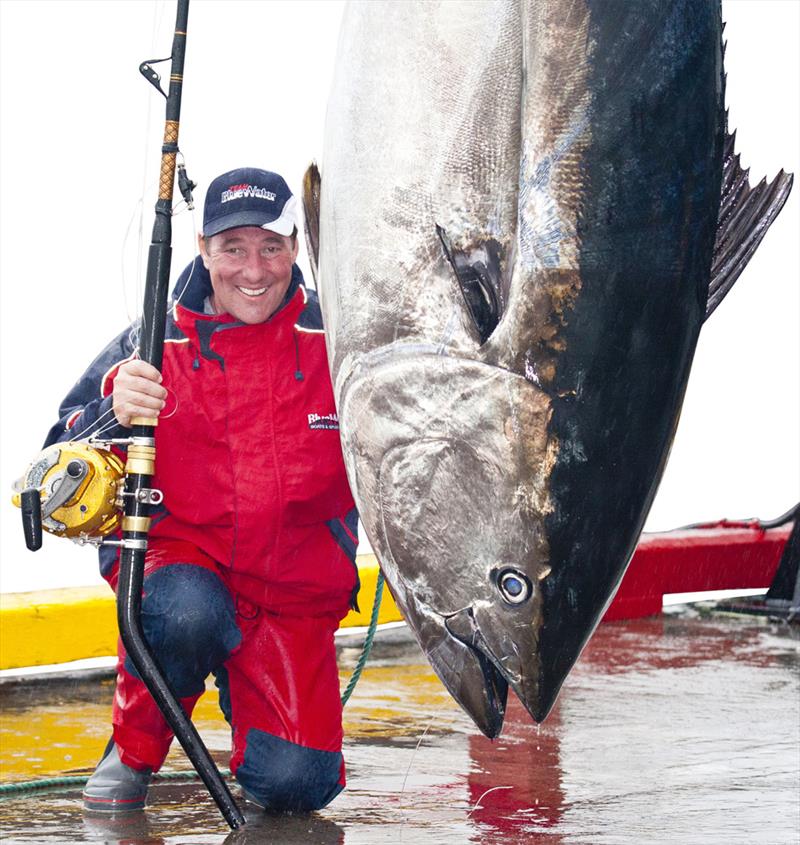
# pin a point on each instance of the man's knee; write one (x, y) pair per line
(189, 621)
(281, 775)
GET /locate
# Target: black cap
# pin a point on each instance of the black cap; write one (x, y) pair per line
(248, 196)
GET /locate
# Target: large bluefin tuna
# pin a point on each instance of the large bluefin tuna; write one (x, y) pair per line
(516, 230)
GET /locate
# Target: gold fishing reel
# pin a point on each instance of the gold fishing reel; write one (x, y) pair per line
(71, 490)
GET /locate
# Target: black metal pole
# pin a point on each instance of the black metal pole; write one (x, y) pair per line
(140, 465)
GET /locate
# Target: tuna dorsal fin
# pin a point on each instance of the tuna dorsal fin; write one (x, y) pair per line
(312, 191)
(477, 271)
(745, 214)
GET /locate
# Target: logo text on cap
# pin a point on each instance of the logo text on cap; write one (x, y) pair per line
(236, 192)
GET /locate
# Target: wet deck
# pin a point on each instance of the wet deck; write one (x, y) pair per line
(677, 729)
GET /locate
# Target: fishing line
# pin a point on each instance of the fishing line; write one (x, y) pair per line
(174, 411)
(478, 802)
(136, 217)
(158, 16)
(133, 335)
(108, 424)
(134, 314)
(411, 763)
(87, 434)
(179, 294)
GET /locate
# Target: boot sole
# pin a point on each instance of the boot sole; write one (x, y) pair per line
(112, 806)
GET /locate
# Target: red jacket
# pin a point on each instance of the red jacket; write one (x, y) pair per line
(247, 451)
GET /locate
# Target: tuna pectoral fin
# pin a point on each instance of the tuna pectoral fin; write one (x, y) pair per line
(478, 275)
(745, 214)
(312, 192)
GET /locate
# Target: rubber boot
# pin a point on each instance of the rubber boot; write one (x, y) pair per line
(115, 787)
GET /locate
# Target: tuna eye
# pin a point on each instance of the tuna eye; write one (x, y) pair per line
(515, 588)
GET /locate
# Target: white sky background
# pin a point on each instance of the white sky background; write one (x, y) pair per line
(78, 151)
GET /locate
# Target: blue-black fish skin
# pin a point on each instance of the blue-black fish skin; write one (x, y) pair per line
(646, 231)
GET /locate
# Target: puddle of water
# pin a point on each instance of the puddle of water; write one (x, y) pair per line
(678, 729)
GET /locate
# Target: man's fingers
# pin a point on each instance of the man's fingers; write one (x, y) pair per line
(131, 384)
(140, 400)
(139, 377)
(136, 367)
(127, 406)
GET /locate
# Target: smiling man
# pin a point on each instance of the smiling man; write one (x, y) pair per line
(250, 563)
(251, 270)
(250, 261)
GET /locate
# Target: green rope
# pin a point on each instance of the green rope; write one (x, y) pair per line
(45, 783)
(365, 650)
(79, 780)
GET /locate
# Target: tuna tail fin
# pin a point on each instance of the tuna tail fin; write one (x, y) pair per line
(312, 192)
(745, 214)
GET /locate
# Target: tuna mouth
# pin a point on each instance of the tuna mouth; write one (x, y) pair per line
(483, 690)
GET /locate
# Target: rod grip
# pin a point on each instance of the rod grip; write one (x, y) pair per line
(31, 507)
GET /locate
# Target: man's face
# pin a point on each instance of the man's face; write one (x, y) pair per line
(250, 271)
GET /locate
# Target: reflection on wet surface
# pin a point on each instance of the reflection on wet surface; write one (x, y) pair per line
(677, 729)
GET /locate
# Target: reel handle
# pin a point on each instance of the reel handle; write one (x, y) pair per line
(31, 506)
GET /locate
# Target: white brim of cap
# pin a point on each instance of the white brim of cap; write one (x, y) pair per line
(284, 225)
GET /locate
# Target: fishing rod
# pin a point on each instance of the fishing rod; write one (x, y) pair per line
(82, 490)
(138, 495)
